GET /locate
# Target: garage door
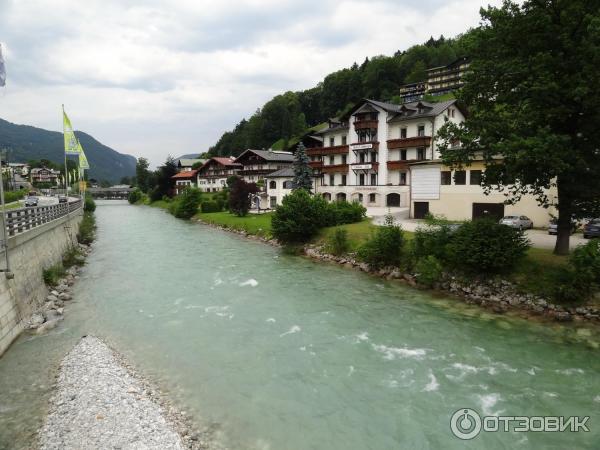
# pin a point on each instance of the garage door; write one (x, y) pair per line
(421, 209)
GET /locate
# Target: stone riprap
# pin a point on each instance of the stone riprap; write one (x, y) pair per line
(100, 404)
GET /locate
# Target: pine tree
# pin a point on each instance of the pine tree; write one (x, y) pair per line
(302, 171)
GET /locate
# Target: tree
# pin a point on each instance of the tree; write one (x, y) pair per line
(299, 217)
(163, 178)
(142, 174)
(125, 180)
(302, 171)
(239, 196)
(534, 105)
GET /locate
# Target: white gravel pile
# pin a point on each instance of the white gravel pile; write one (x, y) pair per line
(100, 405)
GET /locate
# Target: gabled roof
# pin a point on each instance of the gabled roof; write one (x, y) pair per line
(428, 109)
(223, 161)
(186, 174)
(286, 172)
(268, 155)
(183, 162)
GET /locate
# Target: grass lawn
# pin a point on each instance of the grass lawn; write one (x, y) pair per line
(259, 224)
(538, 271)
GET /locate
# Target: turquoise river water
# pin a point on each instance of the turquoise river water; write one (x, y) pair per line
(278, 352)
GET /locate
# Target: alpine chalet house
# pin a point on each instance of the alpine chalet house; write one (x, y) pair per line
(213, 174)
(366, 155)
(259, 163)
(184, 179)
(44, 175)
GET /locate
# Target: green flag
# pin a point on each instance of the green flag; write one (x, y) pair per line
(72, 145)
(83, 162)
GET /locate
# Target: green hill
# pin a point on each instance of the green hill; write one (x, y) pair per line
(26, 143)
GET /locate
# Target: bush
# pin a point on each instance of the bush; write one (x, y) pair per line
(484, 246)
(299, 217)
(384, 248)
(581, 278)
(72, 257)
(52, 274)
(429, 271)
(210, 206)
(87, 229)
(239, 196)
(186, 204)
(13, 196)
(345, 212)
(135, 196)
(432, 241)
(89, 204)
(338, 243)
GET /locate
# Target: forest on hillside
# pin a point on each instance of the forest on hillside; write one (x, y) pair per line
(379, 78)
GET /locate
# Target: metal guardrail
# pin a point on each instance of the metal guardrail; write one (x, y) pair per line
(23, 219)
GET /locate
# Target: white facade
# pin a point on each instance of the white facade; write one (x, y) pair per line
(276, 188)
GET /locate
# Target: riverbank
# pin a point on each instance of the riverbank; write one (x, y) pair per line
(101, 402)
(497, 295)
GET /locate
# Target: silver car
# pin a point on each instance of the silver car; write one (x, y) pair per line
(518, 222)
(31, 201)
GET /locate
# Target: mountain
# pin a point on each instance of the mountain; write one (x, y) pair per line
(26, 143)
(291, 114)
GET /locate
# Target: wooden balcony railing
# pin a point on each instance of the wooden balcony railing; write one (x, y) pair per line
(397, 165)
(417, 141)
(23, 219)
(335, 150)
(365, 124)
(336, 168)
(315, 164)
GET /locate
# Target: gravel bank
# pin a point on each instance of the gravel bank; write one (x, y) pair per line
(101, 404)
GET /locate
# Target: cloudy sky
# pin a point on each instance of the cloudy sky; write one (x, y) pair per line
(165, 77)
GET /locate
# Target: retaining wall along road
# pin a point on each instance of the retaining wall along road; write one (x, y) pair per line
(31, 252)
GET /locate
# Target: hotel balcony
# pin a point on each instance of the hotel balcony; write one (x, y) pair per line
(397, 165)
(315, 164)
(417, 141)
(335, 150)
(335, 168)
(365, 124)
(256, 171)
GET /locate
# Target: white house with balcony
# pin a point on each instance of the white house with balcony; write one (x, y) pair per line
(212, 176)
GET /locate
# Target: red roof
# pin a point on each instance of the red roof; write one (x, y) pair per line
(225, 161)
(185, 174)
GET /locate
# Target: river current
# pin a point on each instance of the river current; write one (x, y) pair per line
(278, 352)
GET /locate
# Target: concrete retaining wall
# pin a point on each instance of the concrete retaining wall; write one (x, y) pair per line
(30, 253)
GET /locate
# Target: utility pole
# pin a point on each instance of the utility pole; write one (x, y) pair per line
(8, 273)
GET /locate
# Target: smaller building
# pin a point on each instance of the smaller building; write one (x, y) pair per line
(186, 165)
(277, 185)
(444, 79)
(44, 175)
(259, 163)
(185, 179)
(212, 176)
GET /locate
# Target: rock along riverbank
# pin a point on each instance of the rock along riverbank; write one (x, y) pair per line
(101, 403)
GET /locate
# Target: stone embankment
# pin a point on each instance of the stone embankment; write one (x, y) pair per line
(498, 295)
(101, 403)
(51, 312)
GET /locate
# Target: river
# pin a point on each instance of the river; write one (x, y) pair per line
(278, 352)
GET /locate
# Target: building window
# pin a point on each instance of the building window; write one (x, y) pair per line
(331, 141)
(361, 179)
(332, 160)
(272, 184)
(373, 156)
(288, 184)
(343, 140)
(421, 130)
(460, 177)
(402, 155)
(421, 154)
(403, 133)
(343, 180)
(344, 159)
(360, 198)
(402, 178)
(475, 177)
(446, 177)
(373, 179)
(362, 157)
(371, 198)
(272, 202)
(331, 180)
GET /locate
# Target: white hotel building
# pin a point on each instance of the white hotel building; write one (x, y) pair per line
(367, 155)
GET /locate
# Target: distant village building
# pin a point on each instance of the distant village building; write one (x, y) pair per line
(187, 164)
(213, 174)
(44, 175)
(185, 179)
(440, 80)
(259, 163)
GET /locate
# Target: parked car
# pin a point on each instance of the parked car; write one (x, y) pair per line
(553, 227)
(62, 198)
(519, 222)
(591, 229)
(31, 201)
